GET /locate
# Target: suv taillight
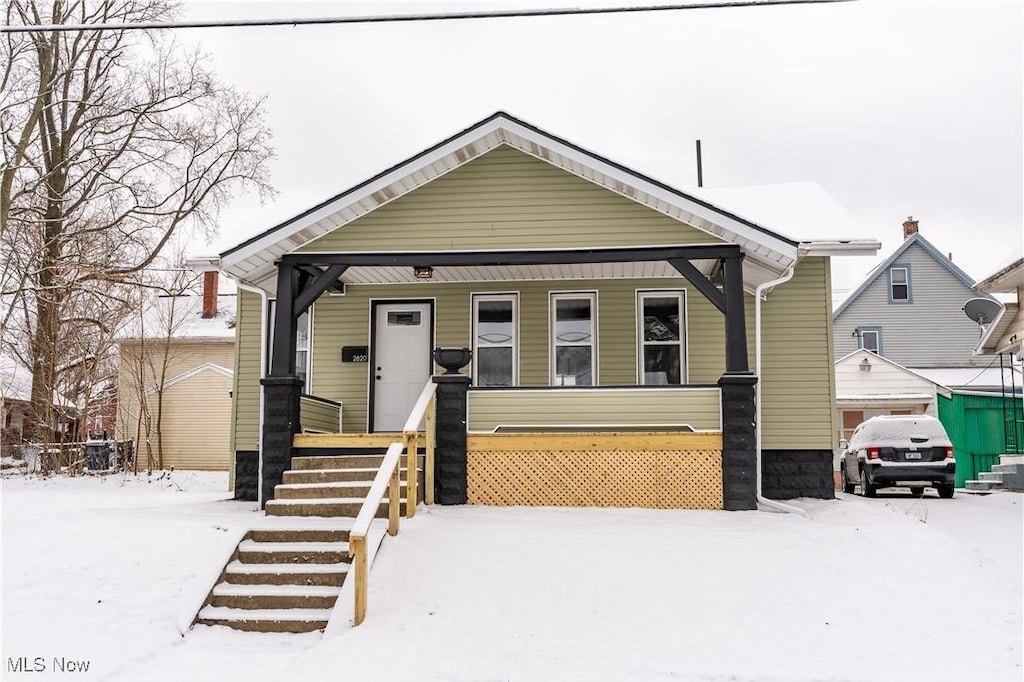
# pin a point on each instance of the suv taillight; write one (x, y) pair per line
(949, 453)
(874, 453)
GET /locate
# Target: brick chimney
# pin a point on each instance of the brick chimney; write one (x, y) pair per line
(209, 294)
(909, 227)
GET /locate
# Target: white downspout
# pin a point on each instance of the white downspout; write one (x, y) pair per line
(263, 373)
(788, 275)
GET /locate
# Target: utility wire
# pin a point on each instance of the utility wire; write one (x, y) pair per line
(401, 18)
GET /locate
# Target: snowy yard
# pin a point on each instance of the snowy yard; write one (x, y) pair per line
(106, 570)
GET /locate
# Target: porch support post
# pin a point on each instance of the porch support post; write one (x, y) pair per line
(282, 389)
(450, 478)
(735, 318)
(739, 444)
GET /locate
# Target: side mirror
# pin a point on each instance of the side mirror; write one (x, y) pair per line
(843, 444)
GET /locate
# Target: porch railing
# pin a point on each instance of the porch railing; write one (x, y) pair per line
(319, 415)
(388, 480)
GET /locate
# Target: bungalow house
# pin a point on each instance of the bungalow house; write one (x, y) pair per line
(175, 379)
(618, 328)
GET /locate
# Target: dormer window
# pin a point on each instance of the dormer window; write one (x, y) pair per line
(899, 284)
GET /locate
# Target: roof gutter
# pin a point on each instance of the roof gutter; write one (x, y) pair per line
(840, 247)
(761, 499)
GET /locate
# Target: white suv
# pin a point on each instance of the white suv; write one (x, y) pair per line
(908, 451)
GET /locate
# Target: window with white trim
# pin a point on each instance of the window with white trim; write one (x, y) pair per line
(303, 358)
(495, 339)
(573, 327)
(899, 284)
(871, 340)
(661, 337)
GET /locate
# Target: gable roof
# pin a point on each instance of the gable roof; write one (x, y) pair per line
(862, 353)
(919, 240)
(253, 260)
(185, 376)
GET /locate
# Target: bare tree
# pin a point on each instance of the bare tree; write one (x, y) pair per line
(113, 142)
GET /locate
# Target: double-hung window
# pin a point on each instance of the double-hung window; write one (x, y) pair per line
(303, 337)
(573, 326)
(495, 340)
(899, 284)
(661, 337)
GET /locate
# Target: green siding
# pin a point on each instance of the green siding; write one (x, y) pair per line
(975, 427)
(508, 199)
(700, 408)
(246, 418)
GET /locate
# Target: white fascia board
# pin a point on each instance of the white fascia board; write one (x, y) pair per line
(205, 367)
(247, 263)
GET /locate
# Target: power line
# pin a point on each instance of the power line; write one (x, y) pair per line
(400, 18)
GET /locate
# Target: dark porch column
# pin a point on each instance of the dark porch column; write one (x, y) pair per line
(281, 388)
(450, 465)
(735, 317)
(739, 443)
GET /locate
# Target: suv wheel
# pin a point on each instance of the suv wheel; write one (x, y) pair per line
(866, 488)
(848, 485)
(945, 490)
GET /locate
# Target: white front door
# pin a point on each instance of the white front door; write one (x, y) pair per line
(401, 361)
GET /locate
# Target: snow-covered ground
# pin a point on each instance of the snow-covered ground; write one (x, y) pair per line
(106, 571)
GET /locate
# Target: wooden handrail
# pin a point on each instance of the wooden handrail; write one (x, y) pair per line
(386, 480)
(410, 441)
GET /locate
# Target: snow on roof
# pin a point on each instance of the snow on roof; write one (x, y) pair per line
(15, 379)
(802, 210)
(972, 377)
(182, 317)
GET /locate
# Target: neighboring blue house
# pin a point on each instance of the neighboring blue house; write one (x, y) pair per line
(910, 310)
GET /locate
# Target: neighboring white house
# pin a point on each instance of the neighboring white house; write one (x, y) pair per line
(868, 385)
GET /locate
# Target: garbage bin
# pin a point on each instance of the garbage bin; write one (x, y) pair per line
(97, 455)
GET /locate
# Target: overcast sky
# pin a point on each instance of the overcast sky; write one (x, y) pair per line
(895, 108)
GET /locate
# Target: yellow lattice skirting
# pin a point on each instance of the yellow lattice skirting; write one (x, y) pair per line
(606, 473)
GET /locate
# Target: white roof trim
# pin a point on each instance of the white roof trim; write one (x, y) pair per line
(184, 376)
(254, 260)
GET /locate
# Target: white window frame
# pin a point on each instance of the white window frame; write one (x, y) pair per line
(878, 341)
(641, 294)
(513, 343)
(554, 343)
(893, 284)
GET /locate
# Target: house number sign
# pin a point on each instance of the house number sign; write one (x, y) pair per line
(355, 354)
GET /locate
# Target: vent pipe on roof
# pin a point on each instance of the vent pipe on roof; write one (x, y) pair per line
(909, 227)
(700, 167)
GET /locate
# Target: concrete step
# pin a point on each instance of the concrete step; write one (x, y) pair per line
(252, 552)
(1005, 468)
(265, 620)
(995, 478)
(343, 462)
(314, 491)
(978, 486)
(1011, 459)
(274, 596)
(298, 535)
(336, 506)
(239, 573)
(294, 476)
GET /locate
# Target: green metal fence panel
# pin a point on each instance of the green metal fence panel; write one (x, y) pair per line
(975, 425)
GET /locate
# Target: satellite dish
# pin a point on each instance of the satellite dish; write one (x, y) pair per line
(982, 310)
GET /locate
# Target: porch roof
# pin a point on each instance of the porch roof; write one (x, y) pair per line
(768, 252)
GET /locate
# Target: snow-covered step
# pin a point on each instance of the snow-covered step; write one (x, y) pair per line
(331, 506)
(274, 596)
(265, 620)
(312, 491)
(285, 574)
(995, 478)
(978, 486)
(334, 475)
(343, 461)
(1005, 468)
(328, 535)
(252, 552)
(1011, 459)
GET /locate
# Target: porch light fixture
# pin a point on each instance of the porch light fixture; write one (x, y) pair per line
(865, 365)
(423, 272)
